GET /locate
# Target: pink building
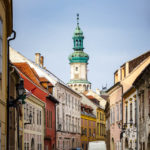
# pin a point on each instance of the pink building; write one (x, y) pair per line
(123, 79)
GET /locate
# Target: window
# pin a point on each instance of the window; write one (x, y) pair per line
(1, 40)
(25, 146)
(33, 116)
(120, 111)
(114, 115)
(135, 110)
(131, 111)
(40, 118)
(76, 68)
(143, 104)
(117, 107)
(37, 117)
(89, 131)
(51, 119)
(66, 99)
(72, 102)
(126, 112)
(85, 131)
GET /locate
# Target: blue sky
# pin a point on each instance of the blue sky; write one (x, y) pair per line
(115, 31)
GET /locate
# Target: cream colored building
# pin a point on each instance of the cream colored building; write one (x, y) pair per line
(5, 32)
(123, 77)
(33, 137)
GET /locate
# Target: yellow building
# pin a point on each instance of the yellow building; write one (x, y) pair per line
(88, 126)
(100, 103)
(5, 32)
(100, 124)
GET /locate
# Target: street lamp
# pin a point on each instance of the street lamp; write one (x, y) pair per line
(20, 95)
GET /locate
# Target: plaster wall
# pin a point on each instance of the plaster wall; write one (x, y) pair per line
(34, 131)
(81, 71)
(3, 76)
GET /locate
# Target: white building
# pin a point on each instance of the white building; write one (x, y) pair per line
(130, 132)
(34, 126)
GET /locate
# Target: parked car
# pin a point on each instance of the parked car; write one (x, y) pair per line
(77, 149)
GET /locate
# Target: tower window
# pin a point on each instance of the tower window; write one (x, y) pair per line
(76, 42)
(79, 42)
(76, 68)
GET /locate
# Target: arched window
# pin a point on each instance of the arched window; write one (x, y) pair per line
(76, 42)
(79, 42)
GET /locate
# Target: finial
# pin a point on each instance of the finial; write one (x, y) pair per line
(77, 19)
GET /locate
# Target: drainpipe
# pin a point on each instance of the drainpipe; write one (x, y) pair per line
(137, 120)
(8, 95)
(55, 126)
(122, 110)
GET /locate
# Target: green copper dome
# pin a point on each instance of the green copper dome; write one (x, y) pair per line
(79, 57)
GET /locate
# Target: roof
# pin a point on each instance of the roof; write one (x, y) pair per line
(118, 83)
(26, 70)
(104, 97)
(136, 61)
(146, 71)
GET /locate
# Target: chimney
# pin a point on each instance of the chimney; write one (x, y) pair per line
(41, 61)
(127, 68)
(37, 58)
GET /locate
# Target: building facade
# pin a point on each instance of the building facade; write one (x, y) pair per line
(78, 63)
(129, 119)
(123, 79)
(68, 120)
(5, 31)
(34, 128)
(35, 85)
(142, 85)
(88, 126)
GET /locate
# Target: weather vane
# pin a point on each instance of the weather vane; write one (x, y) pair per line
(77, 19)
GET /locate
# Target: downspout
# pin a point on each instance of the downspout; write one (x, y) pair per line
(122, 110)
(8, 95)
(55, 126)
(137, 120)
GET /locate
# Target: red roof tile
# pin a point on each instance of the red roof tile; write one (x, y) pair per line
(28, 72)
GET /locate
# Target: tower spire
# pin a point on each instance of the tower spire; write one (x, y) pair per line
(77, 19)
